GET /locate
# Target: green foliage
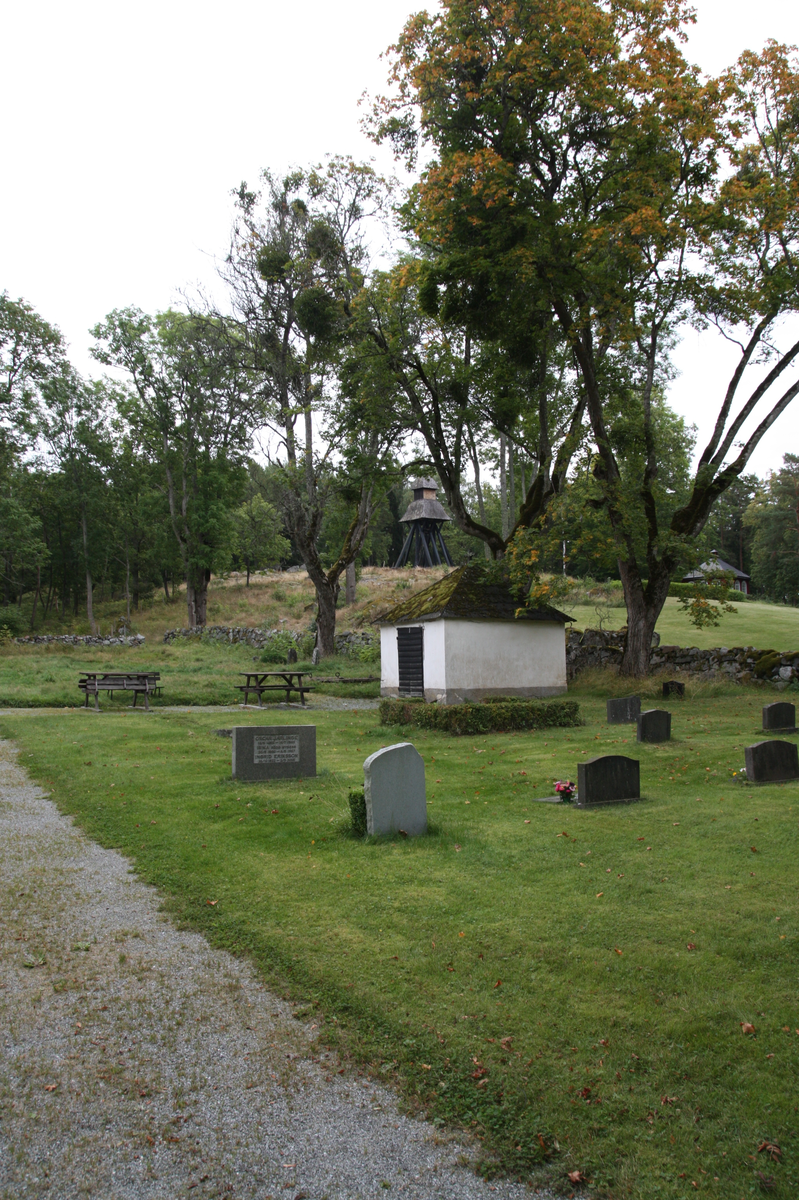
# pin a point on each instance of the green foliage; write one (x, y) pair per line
(773, 521)
(357, 803)
(258, 540)
(708, 599)
(277, 648)
(501, 714)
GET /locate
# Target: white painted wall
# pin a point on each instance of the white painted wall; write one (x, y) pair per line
(389, 661)
(468, 660)
(509, 658)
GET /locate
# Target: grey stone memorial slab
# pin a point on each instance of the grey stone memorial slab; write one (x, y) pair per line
(394, 788)
(607, 780)
(624, 711)
(291, 657)
(780, 716)
(274, 752)
(673, 687)
(654, 725)
(772, 762)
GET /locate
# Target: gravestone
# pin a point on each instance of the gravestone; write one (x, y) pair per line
(624, 711)
(394, 789)
(673, 687)
(274, 752)
(607, 780)
(772, 762)
(291, 657)
(654, 725)
(780, 716)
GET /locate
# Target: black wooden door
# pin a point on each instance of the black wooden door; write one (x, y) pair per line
(410, 652)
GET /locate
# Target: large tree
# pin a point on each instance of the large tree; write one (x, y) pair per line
(192, 408)
(297, 260)
(575, 172)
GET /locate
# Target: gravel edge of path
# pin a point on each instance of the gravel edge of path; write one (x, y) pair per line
(139, 1063)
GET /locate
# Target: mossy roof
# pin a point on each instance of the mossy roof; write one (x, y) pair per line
(466, 594)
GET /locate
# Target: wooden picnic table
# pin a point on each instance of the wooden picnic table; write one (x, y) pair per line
(144, 683)
(257, 682)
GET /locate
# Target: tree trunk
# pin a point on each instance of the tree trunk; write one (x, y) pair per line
(350, 593)
(165, 581)
(503, 489)
(248, 572)
(327, 598)
(127, 585)
(512, 475)
(89, 584)
(36, 596)
(197, 597)
(643, 609)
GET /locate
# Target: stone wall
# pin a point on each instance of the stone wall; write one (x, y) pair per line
(74, 639)
(231, 635)
(603, 648)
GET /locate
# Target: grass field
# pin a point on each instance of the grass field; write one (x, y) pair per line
(570, 985)
(765, 626)
(192, 673)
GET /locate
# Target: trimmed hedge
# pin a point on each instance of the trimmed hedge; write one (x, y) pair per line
(496, 716)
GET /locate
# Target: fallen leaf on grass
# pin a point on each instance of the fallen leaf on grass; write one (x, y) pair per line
(599, 894)
(212, 902)
(770, 1148)
(767, 1182)
(30, 963)
(618, 951)
(576, 1177)
(527, 822)
(457, 848)
(691, 946)
(50, 1087)
(498, 983)
(746, 1027)
(753, 849)
(669, 1099)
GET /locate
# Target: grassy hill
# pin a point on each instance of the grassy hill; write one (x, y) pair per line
(286, 601)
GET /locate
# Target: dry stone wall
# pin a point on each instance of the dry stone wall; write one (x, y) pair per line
(741, 664)
(74, 639)
(259, 639)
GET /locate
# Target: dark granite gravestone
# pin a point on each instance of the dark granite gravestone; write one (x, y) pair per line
(291, 657)
(608, 779)
(772, 762)
(673, 687)
(624, 711)
(654, 725)
(274, 752)
(394, 789)
(779, 716)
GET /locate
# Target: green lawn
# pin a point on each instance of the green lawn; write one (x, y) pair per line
(568, 984)
(765, 626)
(192, 673)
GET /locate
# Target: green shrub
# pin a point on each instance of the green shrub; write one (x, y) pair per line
(358, 813)
(277, 648)
(11, 620)
(498, 715)
(367, 653)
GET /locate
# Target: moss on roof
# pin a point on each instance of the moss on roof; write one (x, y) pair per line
(469, 593)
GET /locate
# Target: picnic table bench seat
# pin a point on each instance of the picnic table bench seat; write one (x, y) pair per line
(141, 683)
(257, 683)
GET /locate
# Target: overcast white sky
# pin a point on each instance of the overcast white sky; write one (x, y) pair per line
(126, 127)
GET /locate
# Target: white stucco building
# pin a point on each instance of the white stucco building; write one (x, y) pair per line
(460, 639)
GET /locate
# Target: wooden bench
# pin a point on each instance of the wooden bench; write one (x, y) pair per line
(141, 683)
(256, 682)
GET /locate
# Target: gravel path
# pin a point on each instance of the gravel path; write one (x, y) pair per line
(140, 1064)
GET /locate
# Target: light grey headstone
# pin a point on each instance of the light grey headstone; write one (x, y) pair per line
(394, 788)
(274, 752)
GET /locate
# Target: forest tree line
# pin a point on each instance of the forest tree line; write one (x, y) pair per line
(573, 212)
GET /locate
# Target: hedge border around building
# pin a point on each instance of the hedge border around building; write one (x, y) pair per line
(496, 717)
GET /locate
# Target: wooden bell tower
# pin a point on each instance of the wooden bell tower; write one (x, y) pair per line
(424, 518)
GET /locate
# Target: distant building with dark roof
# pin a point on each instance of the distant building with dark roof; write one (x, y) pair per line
(466, 638)
(741, 581)
(424, 516)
